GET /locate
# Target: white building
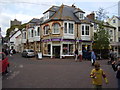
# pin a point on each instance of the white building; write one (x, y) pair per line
(115, 21)
(14, 42)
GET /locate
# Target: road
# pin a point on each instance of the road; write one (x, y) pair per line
(53, 73)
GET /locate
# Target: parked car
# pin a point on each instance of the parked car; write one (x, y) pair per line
(4, 64)
(28, 53)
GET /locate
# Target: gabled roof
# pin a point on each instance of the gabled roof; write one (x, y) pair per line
(106, 24)
(53, 9)
(34, 20)
(65, 12)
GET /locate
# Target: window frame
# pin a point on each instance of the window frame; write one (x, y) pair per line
(46, 29)
(53, 28)
(38, 31)
(67, 27)
(83, 32)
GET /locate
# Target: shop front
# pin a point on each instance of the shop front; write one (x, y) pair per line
(58, 48)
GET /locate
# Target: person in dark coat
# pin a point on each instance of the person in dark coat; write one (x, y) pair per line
(76, 54)
(116, 67)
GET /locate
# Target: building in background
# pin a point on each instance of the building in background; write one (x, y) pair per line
(115, 21)
(15, 22)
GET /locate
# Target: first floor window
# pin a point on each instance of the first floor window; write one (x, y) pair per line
(65, 29)
(69, 27)
(32, 33)
(46, 30)
(38, 31)
(56, 27)
(85, 30)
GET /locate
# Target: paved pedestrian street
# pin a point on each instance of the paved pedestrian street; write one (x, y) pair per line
(53, 73)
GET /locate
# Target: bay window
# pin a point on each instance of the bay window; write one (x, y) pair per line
(69, 27)
(67, 49)
(85, 30)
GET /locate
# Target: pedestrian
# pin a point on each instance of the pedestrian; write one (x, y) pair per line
(111, 56)
(116, 67)
(76, 54)
(93, 57)
(97, 74)
(80, 55)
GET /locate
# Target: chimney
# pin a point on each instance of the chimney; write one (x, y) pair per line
(73, 6)
(91, 16)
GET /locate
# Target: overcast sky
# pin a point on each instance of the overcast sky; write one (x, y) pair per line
(25, 10)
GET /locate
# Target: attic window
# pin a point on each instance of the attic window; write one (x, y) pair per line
(46, 16)
(114, 21)
(81, 16)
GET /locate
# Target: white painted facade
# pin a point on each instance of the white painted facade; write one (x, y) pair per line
(13, 41)
(115, 21)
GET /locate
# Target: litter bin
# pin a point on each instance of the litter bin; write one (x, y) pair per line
(39, 55)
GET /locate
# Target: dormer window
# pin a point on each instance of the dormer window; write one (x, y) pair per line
(46, 16)
(114, 21)
(81, 16)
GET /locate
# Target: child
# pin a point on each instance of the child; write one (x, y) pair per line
(117, 68)
(96, 74)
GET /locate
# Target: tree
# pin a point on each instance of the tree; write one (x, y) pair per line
(101, 37)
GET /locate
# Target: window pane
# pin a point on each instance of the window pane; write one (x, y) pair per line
(65, 30)
(32, 33)
(38, 31)
(65, 49)
(87, 30)
(82, 30)
(56, 28)
(70, 49)
(70, 28)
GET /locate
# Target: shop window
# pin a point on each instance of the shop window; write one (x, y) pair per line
(67, 49)
(49, 49)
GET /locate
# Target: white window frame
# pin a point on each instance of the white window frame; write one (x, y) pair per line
(32, 33)
(53, 29)
(24, 35)
(38, 31)
(45, 29)
(69, 22)
(46, 16)
(81, 14)
(85, 29)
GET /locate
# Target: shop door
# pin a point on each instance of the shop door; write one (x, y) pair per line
(56, 51)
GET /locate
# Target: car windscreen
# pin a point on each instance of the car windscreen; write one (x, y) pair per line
(30, 51)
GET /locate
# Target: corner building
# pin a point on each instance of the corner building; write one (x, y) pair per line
(63, 30)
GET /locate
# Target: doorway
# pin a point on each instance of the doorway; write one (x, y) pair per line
(56, 51)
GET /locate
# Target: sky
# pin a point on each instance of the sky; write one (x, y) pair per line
(25, 10)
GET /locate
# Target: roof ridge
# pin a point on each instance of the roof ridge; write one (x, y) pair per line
(60, 9)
